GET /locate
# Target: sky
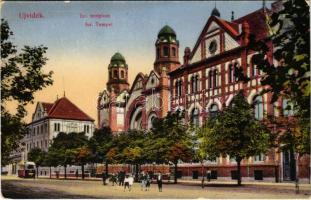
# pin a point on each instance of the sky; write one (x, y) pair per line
(79, 55)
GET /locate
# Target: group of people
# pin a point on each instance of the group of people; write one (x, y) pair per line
(127, 181)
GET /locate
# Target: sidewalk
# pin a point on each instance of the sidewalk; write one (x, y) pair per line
(198, 182)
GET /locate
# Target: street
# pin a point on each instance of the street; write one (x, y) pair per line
(13, 187)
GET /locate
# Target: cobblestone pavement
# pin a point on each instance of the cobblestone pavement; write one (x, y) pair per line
(13, 187)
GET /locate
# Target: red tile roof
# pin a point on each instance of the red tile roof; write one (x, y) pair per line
(233, 28)
(47, 106)
(257, 23)
(63, 108)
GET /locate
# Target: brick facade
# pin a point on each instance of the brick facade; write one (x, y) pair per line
(204, 83)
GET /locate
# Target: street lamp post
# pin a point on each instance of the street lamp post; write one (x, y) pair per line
(297, 173)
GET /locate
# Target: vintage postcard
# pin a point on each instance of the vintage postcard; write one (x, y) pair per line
(155, 99)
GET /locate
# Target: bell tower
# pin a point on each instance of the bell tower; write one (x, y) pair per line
(167, 50)
(118, 74)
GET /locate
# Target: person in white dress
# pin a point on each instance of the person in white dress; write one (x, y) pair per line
(131, 181)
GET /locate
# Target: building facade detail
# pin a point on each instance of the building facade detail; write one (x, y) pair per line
(49, 119)
(202, 85)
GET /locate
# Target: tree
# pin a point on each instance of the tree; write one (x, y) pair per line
(38, 156)
(83, 156)
(21, 77)
(236, 132)
(289, 31)
(170, 141)
(134, 152)
(67, 146)
(52, 159)
(100, 144)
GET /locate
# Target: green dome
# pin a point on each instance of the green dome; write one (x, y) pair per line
(167, 34)
(166, 30)
(117, 60)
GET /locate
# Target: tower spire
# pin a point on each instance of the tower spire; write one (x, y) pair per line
(263, 4)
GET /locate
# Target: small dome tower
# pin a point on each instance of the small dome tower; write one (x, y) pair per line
(118, 74)
(167, 50)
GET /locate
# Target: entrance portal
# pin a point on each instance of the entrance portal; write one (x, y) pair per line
(289, 165)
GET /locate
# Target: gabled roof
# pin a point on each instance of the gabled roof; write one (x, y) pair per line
(138, 76)
(256, 22)
(153, 72)
(230, 27)
(63, 108)
(47, 106)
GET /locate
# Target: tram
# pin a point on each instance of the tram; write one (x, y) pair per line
(27, 170)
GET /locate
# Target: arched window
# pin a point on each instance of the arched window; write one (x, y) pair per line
(231, 73)
(236, 67)
(151, 119)
(179, 88)
(176, 88)
(213, 110)
(122, 74)
(158, 52)
(254, 69)
(287, 108)
(165, 51)
(174, 51)
(195, 116)
(195, 83)
(115, 74)
(210, 77)
(215, 76)
(258, 107)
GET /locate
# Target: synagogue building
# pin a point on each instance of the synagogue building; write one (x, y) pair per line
(202, 84)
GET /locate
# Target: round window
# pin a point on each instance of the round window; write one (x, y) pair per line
(212, 47)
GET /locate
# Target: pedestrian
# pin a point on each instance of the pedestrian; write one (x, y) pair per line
(126, 182)
(148, 182)
(77, 174)
(57, 174)
(114, 179)
(119, 178)
(209, 175)
(142, 181)
(131, 181)
(159, 181)
(122, 177)
(202, 182)
(104, 178)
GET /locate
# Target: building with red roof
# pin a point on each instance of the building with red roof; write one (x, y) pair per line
(49, 119)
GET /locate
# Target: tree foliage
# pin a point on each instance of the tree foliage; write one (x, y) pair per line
(69, 149)
(100, 143)
(170, 140)
(21, 76)
(289, 78)
(235, 132)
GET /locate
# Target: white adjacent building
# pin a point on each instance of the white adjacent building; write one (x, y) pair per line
(49, 119)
